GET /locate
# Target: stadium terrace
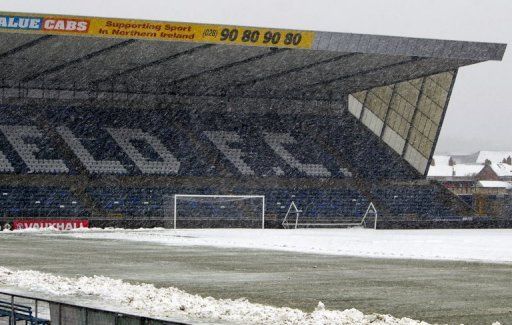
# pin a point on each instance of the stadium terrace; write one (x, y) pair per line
(108, 128)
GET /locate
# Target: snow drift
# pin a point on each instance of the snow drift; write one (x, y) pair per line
(172, 302)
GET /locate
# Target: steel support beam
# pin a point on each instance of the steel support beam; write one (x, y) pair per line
(273, 51)
(152, 63)
(25, 46)
(79, 60)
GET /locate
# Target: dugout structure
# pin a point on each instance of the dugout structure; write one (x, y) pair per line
(103, 118)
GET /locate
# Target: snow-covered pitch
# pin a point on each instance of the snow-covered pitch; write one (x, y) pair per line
(490, 246)
(482, 245)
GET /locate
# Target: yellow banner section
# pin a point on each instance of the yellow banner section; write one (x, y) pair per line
(154, 30)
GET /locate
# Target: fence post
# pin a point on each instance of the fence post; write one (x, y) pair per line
(12, 319)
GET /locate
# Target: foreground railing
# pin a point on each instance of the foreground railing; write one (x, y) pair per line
(23, 309)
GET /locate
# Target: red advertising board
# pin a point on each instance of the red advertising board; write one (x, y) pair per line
(60, 224)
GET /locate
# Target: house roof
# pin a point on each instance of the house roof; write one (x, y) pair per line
(458, 170)
(478, 157)
(502, 170)
(441, 160)
(494, 184)
(493, 156)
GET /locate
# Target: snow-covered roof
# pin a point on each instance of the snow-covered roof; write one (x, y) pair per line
(441, 160)
(494, 184)
(493, 156)
(440, 171)
(465, 159)
(468, 170)
(475, 158)
(459, 170)
(465, 170)
(502, 170)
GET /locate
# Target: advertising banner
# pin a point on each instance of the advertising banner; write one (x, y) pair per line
(154, 30)
(60, 224)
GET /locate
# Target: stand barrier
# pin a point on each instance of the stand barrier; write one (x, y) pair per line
(16, 308)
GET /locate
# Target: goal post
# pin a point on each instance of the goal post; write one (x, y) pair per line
(294, 211)
(237, 209)
(370, 211)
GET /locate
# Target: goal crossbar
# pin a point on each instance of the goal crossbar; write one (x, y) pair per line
(226, 196)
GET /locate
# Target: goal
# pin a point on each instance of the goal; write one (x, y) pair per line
(223, 211)
(293, 211)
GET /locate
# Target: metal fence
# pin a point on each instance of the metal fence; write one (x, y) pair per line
(21, 309)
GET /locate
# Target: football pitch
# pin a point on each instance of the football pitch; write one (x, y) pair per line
(451, 292)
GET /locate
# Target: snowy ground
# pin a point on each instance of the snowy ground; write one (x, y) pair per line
(490, 246)
(172, 302)
(483, 245)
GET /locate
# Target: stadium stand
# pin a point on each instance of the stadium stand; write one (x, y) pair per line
(112, 142)
(109, 129)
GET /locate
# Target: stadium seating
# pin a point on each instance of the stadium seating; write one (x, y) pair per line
(130, 203)
(418, 200)
(256, 158)
(148, 142)
(366, 155)
(51, 202)
(346, 203)
(299, 152)
(151, 202)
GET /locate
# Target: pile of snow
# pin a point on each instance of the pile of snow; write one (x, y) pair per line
(482, 245)
(172, 302)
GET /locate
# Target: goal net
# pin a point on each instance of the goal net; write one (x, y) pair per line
(221, 211)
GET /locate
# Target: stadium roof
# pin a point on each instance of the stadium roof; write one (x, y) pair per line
(84, 53)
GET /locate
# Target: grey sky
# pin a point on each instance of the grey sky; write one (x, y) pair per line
(480, 111)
